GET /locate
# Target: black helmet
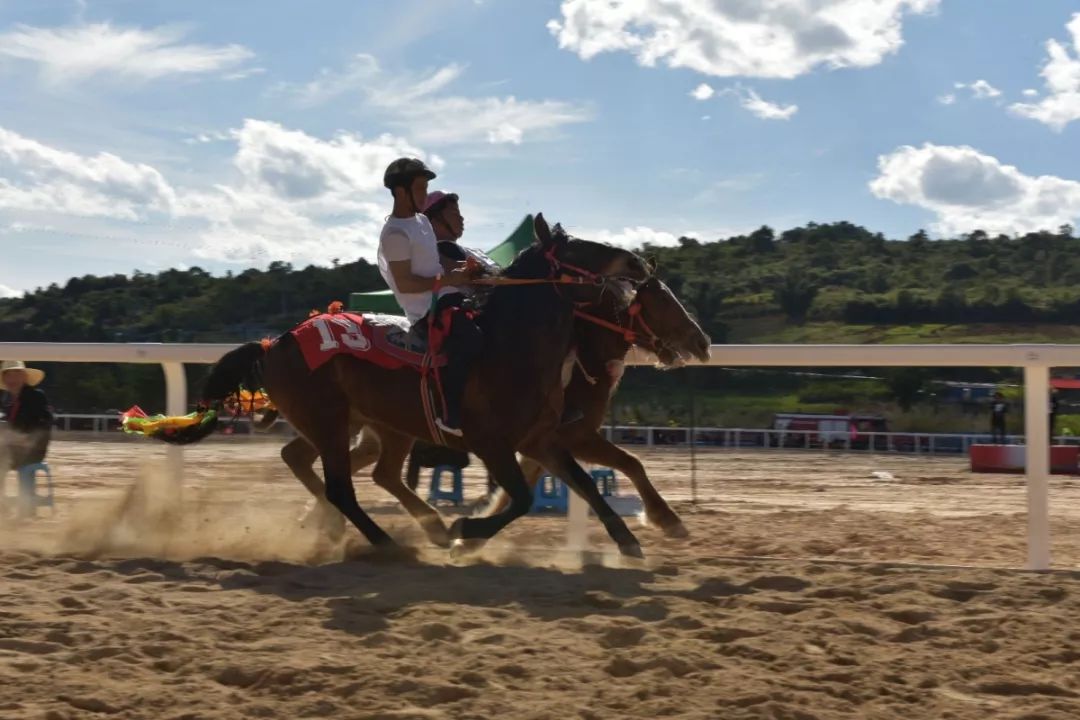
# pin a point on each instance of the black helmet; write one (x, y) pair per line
(401, 172)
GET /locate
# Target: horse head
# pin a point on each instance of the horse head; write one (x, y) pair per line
(664, 326)
(596, 267)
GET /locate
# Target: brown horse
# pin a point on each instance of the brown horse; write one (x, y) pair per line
(513, 399)
(655, 321)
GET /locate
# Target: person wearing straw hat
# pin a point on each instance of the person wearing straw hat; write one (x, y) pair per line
(26, 412)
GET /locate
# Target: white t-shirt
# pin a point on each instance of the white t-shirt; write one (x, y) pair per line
(410, 239)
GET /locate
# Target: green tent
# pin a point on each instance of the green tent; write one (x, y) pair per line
(382, 301)
(504, 253)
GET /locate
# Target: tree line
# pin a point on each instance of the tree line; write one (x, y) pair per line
(836, 272)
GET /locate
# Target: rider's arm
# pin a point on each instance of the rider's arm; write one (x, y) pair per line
(406, 280)
(397, 250)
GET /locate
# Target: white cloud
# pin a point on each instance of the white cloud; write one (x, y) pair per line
(763, 109)
(725, 38)
(980, 89)
(293, 196)
(1061, 75)
(969, 190)
(418, 106)
(946, 99)
(68, 54)
(209, 137)
(7, 292)
(244, 74)
(36, 177)
(298, 197)
(767, 110)
(702, 92)
(631, 237)
(1031, 92)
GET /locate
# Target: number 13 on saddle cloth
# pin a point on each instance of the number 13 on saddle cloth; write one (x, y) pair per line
(380, 339)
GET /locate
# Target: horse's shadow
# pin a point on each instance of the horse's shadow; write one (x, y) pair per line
(365, 594)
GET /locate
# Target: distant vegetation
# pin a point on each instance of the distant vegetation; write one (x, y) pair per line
(837, 282)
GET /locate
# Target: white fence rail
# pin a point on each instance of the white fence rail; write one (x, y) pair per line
(1035, 359)
(679, 436)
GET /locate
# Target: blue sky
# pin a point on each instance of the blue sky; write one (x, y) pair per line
(150, 134)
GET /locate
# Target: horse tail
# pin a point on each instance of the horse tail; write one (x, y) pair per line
(237, 368)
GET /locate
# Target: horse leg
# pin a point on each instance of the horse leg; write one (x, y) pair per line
(300, 456)
(503, 465)
(333, 447)
(498, 499)
(594, 447)
(387, 475)
(561, 463)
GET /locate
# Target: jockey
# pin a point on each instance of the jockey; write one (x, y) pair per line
(409, 263)
(442, 210)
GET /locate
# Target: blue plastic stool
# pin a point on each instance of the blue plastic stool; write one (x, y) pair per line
(455, 495)
(29, 500)
(551, 495)
(605, 480)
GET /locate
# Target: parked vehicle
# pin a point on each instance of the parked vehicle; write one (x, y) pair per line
(827, 430)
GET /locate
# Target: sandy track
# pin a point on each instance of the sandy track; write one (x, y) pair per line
(141, 600)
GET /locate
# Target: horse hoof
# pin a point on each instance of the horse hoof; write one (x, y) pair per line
(634, 550)
(667, 522)
(675, 530)
(436, 532)
(460, 549)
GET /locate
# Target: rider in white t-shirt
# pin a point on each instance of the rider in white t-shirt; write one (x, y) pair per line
(409, 263)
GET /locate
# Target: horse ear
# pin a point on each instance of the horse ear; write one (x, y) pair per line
(650, 264)
(542, 231)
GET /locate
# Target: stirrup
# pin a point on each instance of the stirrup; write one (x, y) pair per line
(456, 432)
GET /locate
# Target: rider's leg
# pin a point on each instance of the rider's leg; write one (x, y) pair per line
(462, 345)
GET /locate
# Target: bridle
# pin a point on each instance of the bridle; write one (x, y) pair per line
(635, 332)
(560, 273)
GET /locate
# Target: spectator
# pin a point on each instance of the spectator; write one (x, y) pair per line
(998, 408)
(26, 412)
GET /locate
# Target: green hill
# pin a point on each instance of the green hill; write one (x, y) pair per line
(836, 282)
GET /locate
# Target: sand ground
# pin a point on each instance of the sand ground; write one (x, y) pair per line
(141, 599)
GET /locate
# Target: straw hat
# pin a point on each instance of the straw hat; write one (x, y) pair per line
(33, 375)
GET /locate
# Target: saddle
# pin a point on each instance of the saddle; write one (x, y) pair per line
(384, 340)
(391, 335)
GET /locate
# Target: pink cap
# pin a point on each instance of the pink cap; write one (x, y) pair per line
(436, 197)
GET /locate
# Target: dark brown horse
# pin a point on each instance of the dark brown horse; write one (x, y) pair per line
(513, 399)
(655, 321)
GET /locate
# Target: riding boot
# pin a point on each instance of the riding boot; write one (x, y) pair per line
(453, 387)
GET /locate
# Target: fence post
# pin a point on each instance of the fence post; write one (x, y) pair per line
(1037, 454)
(175, 404)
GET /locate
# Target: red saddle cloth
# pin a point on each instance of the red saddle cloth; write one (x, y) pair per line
(380, 339)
